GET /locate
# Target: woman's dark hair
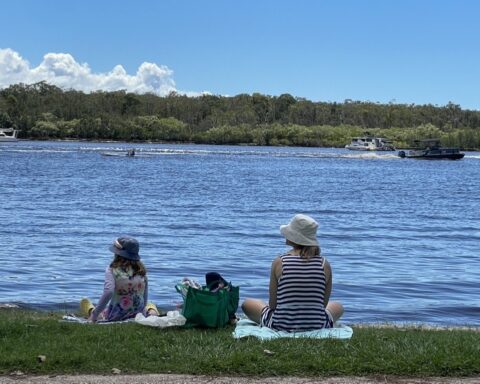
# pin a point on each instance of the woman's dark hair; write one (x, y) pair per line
(306, 251)
(123, 263)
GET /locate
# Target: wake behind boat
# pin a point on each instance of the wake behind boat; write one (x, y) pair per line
(370, 143)
(432, 151)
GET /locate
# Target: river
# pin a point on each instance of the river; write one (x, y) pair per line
(402, 235)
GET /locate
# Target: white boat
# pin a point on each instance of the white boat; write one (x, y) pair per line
(11, 137)
(370, 143)
(129, 153)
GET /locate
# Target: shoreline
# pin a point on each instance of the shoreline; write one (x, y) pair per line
(413, 326)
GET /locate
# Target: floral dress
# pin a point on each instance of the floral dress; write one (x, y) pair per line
(125, 294)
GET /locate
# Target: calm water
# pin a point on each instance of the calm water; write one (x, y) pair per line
(402, 235)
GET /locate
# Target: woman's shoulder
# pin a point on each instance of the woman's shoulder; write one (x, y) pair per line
(326, 264)
(277, 266)
(277, 259)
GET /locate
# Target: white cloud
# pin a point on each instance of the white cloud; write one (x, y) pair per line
(12, 66)
(62, 70)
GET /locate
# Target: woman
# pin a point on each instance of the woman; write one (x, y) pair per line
(125, 291)
(300, 284)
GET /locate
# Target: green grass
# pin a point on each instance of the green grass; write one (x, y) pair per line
(132, 348)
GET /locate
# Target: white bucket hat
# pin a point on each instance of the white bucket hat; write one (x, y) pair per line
(301, 230)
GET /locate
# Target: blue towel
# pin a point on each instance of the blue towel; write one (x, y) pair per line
(246, 328)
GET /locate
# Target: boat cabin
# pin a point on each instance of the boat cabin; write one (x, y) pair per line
(370, 143)
(8, 134)
(427, 144)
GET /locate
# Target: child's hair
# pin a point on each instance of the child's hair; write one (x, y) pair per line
(306, 251)
(136, 265)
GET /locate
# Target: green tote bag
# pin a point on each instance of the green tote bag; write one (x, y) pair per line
(203, 308)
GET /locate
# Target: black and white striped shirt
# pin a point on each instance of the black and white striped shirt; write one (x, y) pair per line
(300, 295)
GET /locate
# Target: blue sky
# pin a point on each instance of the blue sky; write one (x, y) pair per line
(421, 52)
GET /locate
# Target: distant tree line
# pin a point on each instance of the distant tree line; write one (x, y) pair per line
(44, 111)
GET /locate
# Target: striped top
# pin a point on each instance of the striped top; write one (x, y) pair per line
(300, 295)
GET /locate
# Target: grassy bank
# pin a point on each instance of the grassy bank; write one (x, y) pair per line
(132, 348)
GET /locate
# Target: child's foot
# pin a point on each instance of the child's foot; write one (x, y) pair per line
(86, 307)
(151, 310)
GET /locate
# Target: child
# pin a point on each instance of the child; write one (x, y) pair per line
(125, 290)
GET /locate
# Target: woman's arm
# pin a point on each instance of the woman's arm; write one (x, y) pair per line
(108, 288)
(275, 274)
(328, 281)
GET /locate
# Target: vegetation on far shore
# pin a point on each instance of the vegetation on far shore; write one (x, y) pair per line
(71, 348)
(43, 111)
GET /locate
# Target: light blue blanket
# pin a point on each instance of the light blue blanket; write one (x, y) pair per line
(246, 328)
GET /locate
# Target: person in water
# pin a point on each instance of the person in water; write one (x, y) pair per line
(125, 291)
(300, 284)
(131, 152)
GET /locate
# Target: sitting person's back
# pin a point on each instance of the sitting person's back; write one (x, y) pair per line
(300, 284)
(128, 291)
(300, 295)
(125, 290)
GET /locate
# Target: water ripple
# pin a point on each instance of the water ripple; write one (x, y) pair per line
(402, 236)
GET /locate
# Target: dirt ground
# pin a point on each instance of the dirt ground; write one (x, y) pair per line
(189, 379)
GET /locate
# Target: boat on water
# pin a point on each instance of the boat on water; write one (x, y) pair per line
(129, 153)
(370, 143)
(8, 135)
(431, 150)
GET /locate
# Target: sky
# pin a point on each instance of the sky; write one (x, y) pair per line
(383, 51)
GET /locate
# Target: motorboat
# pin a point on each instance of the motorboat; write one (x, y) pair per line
(370, 143)
(8, 135)
(129, 153)
(432, 151)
